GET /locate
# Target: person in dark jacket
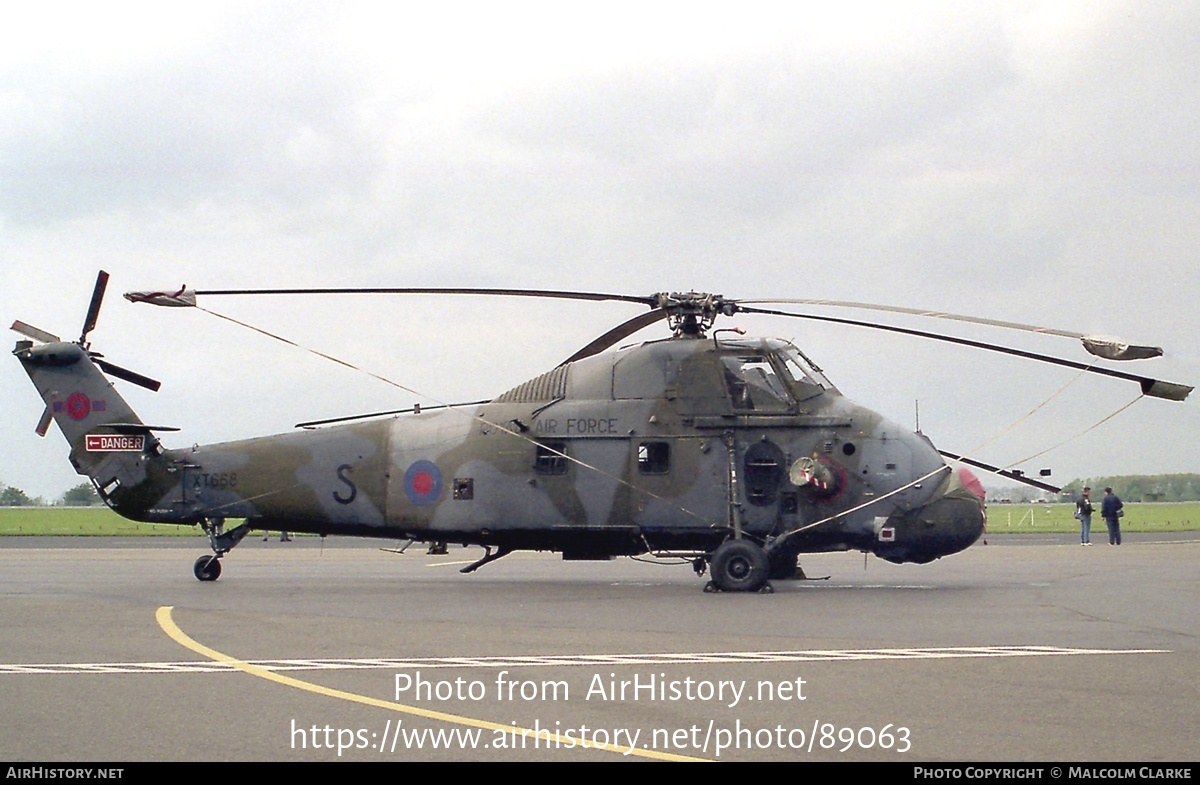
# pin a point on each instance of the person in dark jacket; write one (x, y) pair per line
(1110, 510)
(1083, 511)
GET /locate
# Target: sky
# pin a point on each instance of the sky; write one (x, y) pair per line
(1027, 161)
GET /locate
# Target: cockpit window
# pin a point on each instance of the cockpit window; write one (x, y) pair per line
(753, 384)
(806, 377)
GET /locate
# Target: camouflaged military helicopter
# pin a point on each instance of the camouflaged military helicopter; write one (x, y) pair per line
(735, 453)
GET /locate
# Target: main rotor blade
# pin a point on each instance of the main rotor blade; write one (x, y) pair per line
(1101, 346)
(29, 331)
(1152, 387)
(181, 298)
(617, 334)
(130, 376)
(1002, 472)
(555, 294)
(916, 312)
(185, 296)
(94, 309)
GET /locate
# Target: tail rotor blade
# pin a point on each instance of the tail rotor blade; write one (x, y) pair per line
(130, 376)
(94, 309)
(44, 423)
(29, 331)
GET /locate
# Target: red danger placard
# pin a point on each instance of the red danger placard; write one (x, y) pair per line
(107, 442)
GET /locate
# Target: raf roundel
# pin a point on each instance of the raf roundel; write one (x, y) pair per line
(79, 406)
(423, 483)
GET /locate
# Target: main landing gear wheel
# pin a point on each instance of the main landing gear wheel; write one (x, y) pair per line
(207, 568)
(740, 565)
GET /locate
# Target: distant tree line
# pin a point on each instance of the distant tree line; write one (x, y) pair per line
(15, 497)
(82, 495)
(1142, 487)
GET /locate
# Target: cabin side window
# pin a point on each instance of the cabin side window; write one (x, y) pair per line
(654, 457)
(550, 458)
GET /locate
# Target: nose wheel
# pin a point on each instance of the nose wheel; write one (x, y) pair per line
(207, 568)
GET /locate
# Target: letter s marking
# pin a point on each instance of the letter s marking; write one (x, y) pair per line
(342, 471)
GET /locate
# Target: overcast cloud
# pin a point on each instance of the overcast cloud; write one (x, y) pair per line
(1029, 161)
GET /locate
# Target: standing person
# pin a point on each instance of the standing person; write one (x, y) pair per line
(1111, 508)
(1083, 511)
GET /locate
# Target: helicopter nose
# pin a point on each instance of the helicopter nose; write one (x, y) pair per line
(950, 522)
(971, 482)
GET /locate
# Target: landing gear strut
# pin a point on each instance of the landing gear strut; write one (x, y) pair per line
(208, 568)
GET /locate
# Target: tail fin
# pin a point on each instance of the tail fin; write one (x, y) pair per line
(109, 443)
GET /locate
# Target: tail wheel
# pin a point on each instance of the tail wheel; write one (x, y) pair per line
(740, 565)
(207, 568)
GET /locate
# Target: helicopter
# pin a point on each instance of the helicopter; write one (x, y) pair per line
(732, 453)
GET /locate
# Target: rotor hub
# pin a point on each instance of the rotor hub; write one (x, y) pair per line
(691, 314)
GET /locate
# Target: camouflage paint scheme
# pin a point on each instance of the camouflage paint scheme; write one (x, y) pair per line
(670, 446)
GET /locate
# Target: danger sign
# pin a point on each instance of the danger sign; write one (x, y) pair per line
(115, 443)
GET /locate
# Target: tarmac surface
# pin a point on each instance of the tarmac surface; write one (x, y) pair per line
(1030, 648)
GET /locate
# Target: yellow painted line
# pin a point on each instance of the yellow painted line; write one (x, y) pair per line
(449, 563)
(168, 625)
